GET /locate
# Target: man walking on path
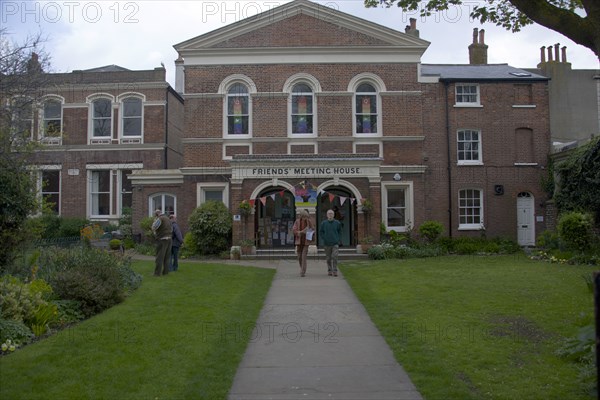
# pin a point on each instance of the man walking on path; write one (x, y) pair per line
(330, 231)
(177, 242)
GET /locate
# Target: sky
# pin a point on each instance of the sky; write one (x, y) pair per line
(140, 35)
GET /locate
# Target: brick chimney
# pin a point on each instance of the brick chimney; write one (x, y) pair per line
(33, 65)
(478, 49)
(412, 28)
(555, 55)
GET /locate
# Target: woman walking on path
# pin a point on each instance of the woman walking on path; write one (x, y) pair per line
(303, 234)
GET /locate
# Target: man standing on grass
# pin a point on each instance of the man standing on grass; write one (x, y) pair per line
(163, 231)
(331, 231)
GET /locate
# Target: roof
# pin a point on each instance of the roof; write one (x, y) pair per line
(107, 68)
(479, 72)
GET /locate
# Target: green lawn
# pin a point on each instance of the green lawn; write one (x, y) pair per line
(177, 337)
(470, 327)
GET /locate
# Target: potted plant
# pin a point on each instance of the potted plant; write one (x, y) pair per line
(366, 243)
(247, 246)
(367, 205)
(235, 253)
(245, 208)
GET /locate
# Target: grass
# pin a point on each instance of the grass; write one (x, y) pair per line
(470, 327)
(177, 337)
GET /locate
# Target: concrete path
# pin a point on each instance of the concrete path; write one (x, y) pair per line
(314, 340)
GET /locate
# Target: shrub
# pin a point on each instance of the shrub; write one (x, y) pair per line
(71, 227)
(431, 230)
(68, 312)
(125, 223)
(128, 243)
(376, 253)
(211, 225)
(189, 245)
(146, 225)
(15, 331)
(145, 249)
(465, 246)
(17, 301)
(115, 244)
(548, 240)
(95, 278)
(575, 229)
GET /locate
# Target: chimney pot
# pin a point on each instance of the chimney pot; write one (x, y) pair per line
(413, 23)
(564, 54)
(543, 54)
(549, 48)
(481, 36)
(475, 35)
(556, 54)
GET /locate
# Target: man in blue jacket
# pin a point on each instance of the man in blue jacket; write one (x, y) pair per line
(330, 232)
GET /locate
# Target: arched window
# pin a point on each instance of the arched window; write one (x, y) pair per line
(365, 111)
(102, 117)
(165, 202)
(302, 101)
(238, 116)
(131, 119)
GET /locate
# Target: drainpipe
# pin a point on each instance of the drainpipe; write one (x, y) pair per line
(449, 166)
(166, 118)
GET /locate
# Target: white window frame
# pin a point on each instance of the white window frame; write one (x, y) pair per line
(313, 113)
(90, 100)
(151, 207)
(15, 116)
(56, 140)
(461, 103)
(120, 179)
(379, 87)
(40, 193)
(91, 194)
(479, 160)
(224, 87)
(471, 226)
(203, 187)
(409, 204)
(121, 99)
(288, 87)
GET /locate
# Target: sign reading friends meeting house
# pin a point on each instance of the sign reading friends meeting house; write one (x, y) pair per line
(305, 171)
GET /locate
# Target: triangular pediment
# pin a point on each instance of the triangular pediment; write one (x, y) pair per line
(301, 23)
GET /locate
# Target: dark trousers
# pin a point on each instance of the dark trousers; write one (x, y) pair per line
(174, 258)
(163, 255)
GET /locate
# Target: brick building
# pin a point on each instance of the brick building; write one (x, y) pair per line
(308, 107)
(96, 127)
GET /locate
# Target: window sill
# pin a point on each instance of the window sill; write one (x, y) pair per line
(468, 164)
(471, 227)
(524, 106)
(525, 164)
(468, 105)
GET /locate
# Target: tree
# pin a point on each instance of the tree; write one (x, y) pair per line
(563, 16)
(21, 77)
(578, 186)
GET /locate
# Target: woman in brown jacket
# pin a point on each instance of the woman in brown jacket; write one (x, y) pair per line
(303, 225)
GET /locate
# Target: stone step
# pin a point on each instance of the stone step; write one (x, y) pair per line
(289, 253)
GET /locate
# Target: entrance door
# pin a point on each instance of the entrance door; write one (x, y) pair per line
(275, 219)
(343, 213)
(525, 219)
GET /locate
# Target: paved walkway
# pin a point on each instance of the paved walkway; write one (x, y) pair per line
(314, 340)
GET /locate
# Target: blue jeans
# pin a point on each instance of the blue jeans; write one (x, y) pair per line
(174, 264)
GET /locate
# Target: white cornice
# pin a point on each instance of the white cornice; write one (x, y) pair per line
(156, 177)
(305, 55)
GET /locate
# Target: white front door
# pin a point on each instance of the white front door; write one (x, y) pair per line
(525, 219)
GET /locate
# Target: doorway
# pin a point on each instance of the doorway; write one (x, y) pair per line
(275, 219)
(344, 212)
(525, 219)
